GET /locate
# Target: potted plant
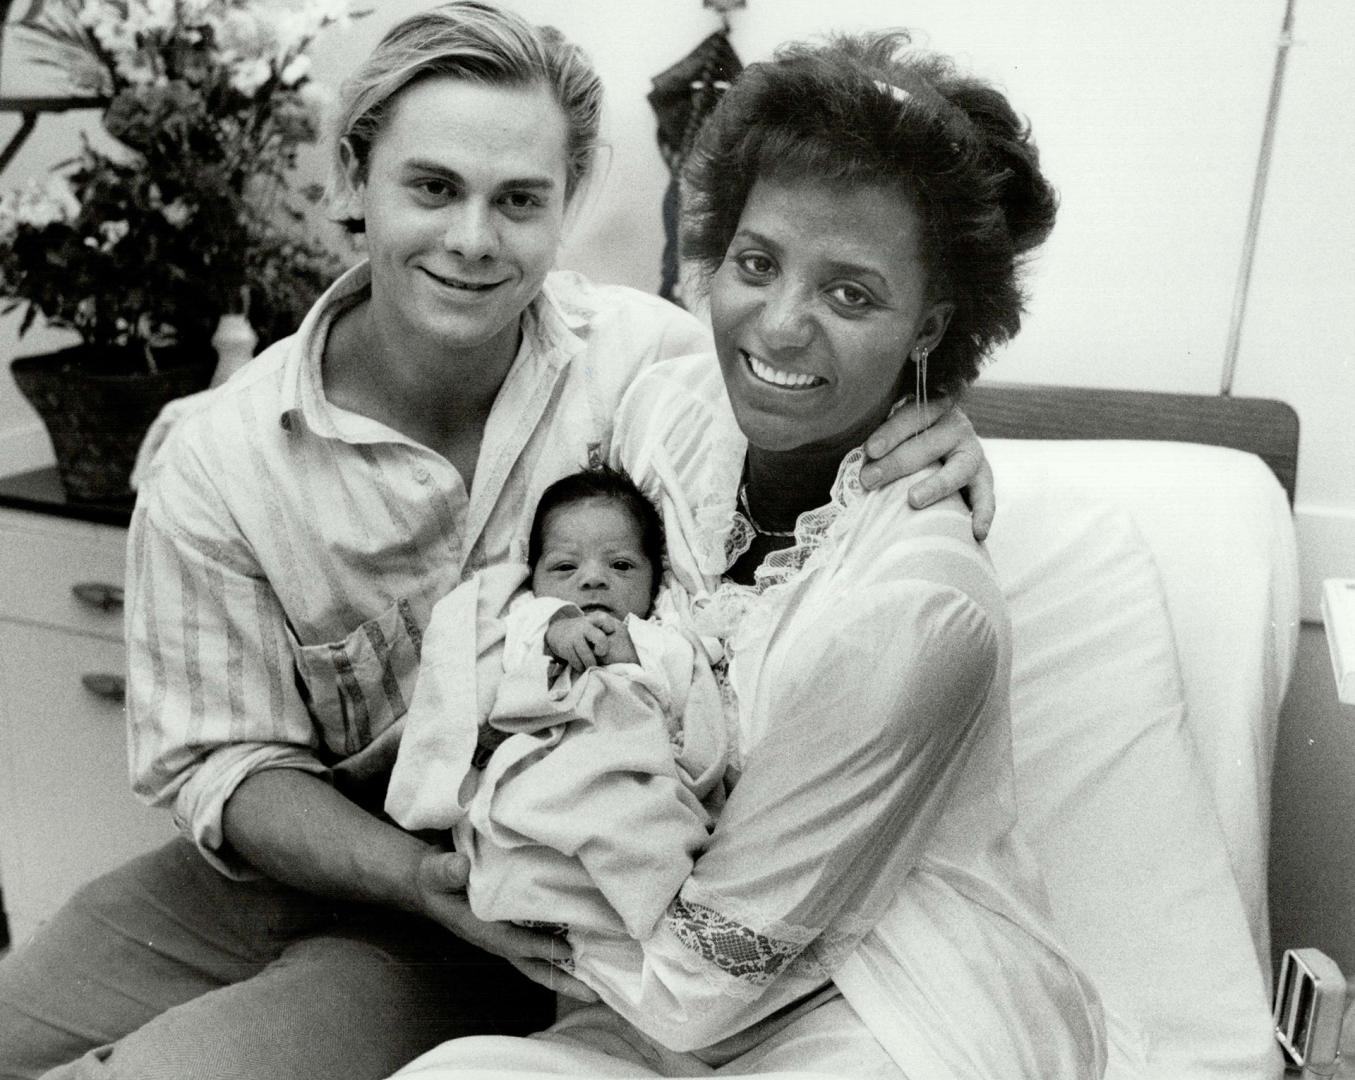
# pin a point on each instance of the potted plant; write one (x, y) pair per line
(186, 216)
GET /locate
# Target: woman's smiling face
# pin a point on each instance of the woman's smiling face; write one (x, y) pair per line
(820, 299)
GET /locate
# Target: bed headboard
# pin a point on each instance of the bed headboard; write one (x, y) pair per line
(1266, 428)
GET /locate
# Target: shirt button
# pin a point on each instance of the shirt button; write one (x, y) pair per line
(421, 474)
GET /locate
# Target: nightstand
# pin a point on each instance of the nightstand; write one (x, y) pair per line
(67, 812)
(1338, 618)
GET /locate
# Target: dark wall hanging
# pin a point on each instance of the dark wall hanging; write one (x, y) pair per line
(683, 95)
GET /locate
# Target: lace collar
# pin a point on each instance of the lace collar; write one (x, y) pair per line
(812, 529)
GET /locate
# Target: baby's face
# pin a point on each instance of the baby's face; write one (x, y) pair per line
(592, 556)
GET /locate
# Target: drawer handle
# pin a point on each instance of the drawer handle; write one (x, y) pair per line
(95, 594)
(109, 687)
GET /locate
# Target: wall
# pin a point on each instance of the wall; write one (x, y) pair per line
(1149, 116)
(1298, 344)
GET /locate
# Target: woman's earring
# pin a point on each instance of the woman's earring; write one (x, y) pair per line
(920, 377)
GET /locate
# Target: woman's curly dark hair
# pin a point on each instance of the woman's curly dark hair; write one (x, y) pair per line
(870, 109)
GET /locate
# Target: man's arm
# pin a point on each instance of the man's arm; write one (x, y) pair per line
(218, 729)
(297, 829)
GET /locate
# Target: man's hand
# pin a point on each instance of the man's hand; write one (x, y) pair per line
(298, 830)
(440, 885)
(917, 436)
(577, 641)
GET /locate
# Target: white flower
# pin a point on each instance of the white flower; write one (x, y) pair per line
(248, 75)
(177, 213)
(112, 232)
(114, 36)
(245, 34)
(37, 205)
(160, 13)
(58, 189)
(137, 70)
(38, 213)
(296, 70)
(148, 17)
(9, 223)
(93, 12)
(155, 333)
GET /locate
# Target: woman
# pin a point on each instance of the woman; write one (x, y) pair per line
(284, 554)
(863, 907)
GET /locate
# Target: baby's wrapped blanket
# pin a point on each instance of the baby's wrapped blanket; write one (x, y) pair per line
(592, 809)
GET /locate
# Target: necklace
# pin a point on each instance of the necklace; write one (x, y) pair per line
(779, 534)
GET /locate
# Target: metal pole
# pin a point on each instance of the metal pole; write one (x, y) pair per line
(1258, 198)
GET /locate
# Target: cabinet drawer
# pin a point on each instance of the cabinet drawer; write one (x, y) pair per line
(67, 812)
(63, 574)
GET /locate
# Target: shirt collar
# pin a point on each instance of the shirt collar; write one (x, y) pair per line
(554, 324)
(303, 395)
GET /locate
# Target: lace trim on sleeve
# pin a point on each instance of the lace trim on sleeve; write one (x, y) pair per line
(737, 950)
(741, 962)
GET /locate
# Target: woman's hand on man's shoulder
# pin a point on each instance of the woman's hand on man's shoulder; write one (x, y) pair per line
(916, 436)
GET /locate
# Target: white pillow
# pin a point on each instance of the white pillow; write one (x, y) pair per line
(1219, 528)
(1110, 791)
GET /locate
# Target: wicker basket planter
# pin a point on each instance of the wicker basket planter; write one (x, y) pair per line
(97, 406)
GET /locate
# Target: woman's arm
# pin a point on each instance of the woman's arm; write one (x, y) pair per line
(868, 717)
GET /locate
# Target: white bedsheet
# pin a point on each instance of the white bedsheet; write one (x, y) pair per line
(1220, 531)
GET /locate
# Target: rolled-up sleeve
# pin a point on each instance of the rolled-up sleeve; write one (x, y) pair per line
(211, 692)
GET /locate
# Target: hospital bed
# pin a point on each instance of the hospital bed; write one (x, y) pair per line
(1153, 588)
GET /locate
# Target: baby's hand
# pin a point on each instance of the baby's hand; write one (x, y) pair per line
(576, 641)
(618, 648)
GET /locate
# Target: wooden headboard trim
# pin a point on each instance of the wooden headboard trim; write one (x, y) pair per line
(1267, 428)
